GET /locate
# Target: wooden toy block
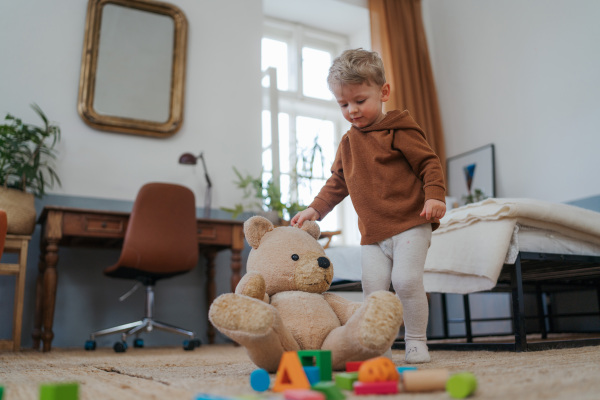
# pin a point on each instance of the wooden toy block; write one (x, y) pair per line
(319, 358)
(379, 369)
(260, 380)
(428, 380)
(345, 380)
(313, 374)
(59, 391)
(388, 387)
(303, 394)
(330, 390)
(461, 385)
(290, 374)
(353, 366)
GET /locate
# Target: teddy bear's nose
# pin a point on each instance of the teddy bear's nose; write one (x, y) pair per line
(323, 262)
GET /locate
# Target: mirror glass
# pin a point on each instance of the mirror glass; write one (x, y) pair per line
(132, 73)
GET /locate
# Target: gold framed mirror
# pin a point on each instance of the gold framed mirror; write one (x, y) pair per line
(133, 67)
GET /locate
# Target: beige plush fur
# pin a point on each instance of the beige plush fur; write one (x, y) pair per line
(281, 305)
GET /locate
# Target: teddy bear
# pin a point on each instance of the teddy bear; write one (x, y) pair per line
(281, 304)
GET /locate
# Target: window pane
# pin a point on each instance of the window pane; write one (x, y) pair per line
(315, 67)
(315, 146)
(275, 54)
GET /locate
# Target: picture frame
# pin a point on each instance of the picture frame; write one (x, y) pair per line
(471, 176)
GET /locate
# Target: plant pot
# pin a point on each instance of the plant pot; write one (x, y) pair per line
(20, 210)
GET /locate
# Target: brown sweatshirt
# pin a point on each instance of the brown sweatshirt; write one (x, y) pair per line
(389, 170)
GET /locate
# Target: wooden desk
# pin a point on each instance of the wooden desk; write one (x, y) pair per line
(66, 226)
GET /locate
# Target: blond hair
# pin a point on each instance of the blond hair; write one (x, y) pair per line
(356, 66)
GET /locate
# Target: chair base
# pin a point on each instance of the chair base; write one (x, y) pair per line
(147, 324)
(144, 325)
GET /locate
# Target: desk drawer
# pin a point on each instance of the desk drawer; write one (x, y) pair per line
(213, 234)
(94, 225)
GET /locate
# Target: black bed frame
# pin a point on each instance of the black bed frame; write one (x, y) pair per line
(540, 274)
(536, 273)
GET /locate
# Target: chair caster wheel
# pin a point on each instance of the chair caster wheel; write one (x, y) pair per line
(138, 343)
(191, 344)
(120, 347)
(90, 345)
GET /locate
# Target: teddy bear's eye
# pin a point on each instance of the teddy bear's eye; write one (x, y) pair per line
(295, 257)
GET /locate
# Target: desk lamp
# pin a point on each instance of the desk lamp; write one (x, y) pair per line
(190, 159)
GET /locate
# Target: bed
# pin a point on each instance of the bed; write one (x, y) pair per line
(517, 246)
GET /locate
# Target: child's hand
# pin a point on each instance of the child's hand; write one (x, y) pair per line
(433, 209)
(309, 214)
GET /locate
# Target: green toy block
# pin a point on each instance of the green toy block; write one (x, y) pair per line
(461, 385)
(318, 358)
(345, 380)
(330, 390)
(59, 391)
(1, 392)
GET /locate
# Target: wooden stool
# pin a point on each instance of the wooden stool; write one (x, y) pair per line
(16, 244)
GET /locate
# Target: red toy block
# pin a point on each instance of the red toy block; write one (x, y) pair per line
(388, 387)
(290, 374)
(353, 366)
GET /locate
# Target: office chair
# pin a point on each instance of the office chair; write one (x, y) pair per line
(160, 242)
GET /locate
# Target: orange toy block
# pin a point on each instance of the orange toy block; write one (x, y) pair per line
(290, 374)
(380, 369)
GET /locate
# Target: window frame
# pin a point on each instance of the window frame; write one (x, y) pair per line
(293, 102)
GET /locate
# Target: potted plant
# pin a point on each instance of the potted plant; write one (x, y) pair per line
(26, 170)
(263, 199)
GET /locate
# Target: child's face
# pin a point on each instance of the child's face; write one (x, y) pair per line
(361, 103)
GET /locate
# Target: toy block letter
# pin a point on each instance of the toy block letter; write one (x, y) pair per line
(290, 374)
(319, 358)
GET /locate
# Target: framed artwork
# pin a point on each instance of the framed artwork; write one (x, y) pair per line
(471, 176)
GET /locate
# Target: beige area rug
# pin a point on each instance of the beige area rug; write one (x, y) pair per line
(172, 373)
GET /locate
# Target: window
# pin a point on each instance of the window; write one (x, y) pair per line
(299, 145)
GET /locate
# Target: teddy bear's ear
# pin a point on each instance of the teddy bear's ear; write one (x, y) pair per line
(312, 228)
(255, 228)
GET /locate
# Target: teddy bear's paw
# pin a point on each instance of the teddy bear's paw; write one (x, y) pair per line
(238, 313)
(381, 321)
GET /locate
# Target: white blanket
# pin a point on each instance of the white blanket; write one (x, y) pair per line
(472, 243)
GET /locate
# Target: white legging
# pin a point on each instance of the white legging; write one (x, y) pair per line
(400, 260)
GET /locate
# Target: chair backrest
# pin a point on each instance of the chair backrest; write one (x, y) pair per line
(3, 227)
(161, 233)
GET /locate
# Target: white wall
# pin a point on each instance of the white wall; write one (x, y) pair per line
(523, 75)
(41, 45)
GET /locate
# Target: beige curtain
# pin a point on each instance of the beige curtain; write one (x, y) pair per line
(398, 35)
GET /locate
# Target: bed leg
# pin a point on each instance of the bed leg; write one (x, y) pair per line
(468, 326)
(541, 310)
(516, 280)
